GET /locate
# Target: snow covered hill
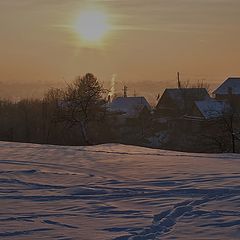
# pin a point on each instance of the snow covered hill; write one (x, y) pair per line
(117, 192)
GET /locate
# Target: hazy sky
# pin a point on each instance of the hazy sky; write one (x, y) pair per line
(149, 40)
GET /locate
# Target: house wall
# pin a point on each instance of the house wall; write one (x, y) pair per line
(231, 98)
(167, 108)
(227, 97)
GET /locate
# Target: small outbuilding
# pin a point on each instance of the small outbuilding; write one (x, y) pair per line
(228, 90)
(129, 107)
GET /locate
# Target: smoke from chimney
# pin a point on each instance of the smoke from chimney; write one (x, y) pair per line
(113, 85)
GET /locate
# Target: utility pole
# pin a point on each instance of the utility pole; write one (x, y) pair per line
(134, 93)
(125, 91)
(178, 79)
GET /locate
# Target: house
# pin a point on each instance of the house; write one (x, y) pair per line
(229, 90)
(177, 102)
(129, 107)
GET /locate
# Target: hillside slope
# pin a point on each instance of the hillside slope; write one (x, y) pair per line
(117, 192)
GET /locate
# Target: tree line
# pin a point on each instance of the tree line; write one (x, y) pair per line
(75, 115)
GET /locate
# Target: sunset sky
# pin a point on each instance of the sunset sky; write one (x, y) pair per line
(139, 40)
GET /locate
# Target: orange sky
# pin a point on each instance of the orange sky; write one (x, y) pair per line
(149, 41)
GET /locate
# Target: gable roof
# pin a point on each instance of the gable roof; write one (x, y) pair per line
(212, 108)
(129, 106)
(182, 97)
(193, 93)
(232, 83)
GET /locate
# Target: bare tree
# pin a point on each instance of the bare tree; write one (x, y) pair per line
(50, 111)
(83, 102)
(224, 130)
(201, 84)
(230, 121)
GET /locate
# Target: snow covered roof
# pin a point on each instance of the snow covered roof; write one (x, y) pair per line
(129, 106)
(231, 84)
(212, 108)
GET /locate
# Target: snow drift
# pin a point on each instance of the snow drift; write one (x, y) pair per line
(117, 192)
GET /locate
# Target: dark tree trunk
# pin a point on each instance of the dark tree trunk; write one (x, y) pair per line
(233, 143)
(84, 132)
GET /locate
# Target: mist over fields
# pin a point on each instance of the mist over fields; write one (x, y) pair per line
(17, 90)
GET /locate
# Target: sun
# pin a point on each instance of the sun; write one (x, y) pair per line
(92, 25)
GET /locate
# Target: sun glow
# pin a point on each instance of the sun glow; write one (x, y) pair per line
(92, 26)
